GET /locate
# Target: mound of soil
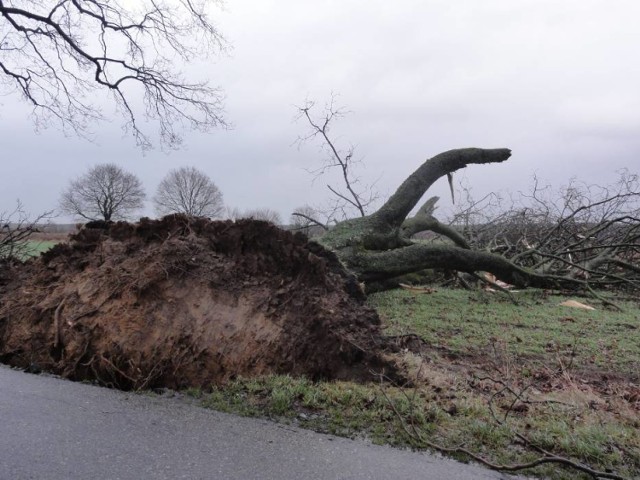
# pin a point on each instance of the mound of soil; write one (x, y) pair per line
(179, 302)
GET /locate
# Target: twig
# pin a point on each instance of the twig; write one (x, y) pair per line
(602, 299)
(310, 219)
(109, 362)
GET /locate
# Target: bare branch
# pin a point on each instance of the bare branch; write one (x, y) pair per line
(303, 218)
(320, 126)
(58, 55)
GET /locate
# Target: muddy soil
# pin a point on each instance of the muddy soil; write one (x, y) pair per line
(187, 303)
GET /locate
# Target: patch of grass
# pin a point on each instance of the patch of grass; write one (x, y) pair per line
(472, 323)
(340, 408)
(491, 370)
(36, 247)
(30, 248)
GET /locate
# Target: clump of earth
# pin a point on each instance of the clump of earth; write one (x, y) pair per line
(182, 302)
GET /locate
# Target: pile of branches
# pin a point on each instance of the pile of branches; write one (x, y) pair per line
(586, 232)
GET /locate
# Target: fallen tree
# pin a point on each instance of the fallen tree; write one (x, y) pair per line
(378, 247)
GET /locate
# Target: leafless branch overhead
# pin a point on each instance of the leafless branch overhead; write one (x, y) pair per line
(59, 54)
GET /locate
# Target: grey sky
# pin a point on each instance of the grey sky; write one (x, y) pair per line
(555, 81)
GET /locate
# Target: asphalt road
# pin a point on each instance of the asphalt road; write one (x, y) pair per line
(54, 429)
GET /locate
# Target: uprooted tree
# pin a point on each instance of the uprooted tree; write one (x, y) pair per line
(584, 236)
(378, 247)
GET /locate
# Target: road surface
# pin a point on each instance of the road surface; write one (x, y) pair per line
(55, 429)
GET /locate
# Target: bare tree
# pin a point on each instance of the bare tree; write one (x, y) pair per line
(232, 213)
(353, 198)
(105, 192)
(265, 214)
(188, 190)
(58, 53)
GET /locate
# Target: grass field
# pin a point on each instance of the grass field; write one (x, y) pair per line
(487, 375)
(535, 331)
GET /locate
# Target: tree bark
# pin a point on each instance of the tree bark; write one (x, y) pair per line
(396, 209)
(376, 266)
(424, 220)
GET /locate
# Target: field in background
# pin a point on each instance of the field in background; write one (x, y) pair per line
(36, 247)
(486, 373)
(42, 241)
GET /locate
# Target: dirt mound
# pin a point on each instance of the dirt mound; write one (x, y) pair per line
(178, 302)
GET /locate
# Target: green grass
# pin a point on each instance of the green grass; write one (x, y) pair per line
(553, 357)
(29, 248)
(36, 247)
(472, 323)
(341, 408)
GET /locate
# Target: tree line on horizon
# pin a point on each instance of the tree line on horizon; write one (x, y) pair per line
(107, 192)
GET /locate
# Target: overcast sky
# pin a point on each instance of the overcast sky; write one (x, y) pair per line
(555, 81)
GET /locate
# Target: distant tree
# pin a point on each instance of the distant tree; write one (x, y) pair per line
(58, 54)
(105, 192)
(188, 190)
(265, 214)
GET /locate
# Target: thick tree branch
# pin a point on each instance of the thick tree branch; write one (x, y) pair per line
(371, 266)
(414, 225)
(391, 263)
(424, 220)
(396, 209)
